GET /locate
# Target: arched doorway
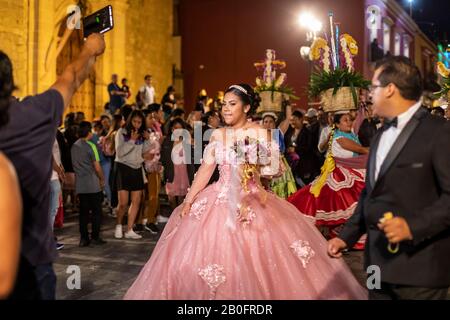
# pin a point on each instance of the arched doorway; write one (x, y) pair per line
(84, 99)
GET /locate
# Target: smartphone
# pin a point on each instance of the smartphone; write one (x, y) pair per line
(99, 22)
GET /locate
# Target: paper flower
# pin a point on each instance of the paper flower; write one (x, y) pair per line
(348, 50)
(259, 82)
(442, 70)
(320, 51)
(281, 79)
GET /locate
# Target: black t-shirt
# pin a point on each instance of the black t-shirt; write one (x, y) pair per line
(27, 141)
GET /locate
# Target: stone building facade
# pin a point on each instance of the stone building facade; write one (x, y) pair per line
(34, 34)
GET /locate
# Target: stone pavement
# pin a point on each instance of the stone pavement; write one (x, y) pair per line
(108, 271)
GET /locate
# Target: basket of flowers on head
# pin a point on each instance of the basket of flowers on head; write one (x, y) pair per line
(335, 81)
(271, 88)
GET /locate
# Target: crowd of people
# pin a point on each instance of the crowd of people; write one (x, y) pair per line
(134, 153)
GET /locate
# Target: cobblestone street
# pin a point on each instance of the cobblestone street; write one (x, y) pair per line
(108, 271)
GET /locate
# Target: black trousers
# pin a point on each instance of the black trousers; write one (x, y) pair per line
(90, 202)
(400, 292)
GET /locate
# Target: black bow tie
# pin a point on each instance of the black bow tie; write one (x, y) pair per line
(390, 123)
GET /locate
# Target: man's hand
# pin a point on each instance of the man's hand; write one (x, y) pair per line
(395, 229)
(335, 247)
(95, 44)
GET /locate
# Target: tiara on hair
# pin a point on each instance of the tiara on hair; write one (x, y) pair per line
(235, 86)
(270, 114)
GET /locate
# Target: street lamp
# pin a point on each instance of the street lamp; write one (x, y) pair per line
(308, 21)
(410, 7)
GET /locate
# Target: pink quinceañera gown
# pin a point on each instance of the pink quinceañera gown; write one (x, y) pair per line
(218, 252)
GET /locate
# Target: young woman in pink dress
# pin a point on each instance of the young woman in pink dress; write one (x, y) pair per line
(175, 159)
(233, 239)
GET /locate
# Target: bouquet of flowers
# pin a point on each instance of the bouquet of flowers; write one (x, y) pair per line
(252, 154)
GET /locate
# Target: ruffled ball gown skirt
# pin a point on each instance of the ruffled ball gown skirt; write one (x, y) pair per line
(336, 202)
(211, 253)
(285, 185)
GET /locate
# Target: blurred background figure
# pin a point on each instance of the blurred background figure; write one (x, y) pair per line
(168, 102)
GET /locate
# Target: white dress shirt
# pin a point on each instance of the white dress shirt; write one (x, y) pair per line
(389, 136)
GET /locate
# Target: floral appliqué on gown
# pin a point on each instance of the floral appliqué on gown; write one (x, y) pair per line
(218, 251)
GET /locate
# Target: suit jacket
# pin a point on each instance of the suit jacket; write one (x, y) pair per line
(413, 183)
(367, 131)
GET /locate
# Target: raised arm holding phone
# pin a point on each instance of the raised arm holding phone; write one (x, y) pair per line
(27, 142)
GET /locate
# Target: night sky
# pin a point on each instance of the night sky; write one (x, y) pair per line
(432, 16)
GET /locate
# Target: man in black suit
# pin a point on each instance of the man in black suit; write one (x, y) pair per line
(408, 174)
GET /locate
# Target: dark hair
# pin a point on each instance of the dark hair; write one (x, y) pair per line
(129, 126)
(438, 110)
(116, 122)
(126, 110)
(177, 121)
(104, 116)
(208, 115)
(154, 107)
(170, 89)
(124, 79)
(84, 129)
(177, 113)
(298, 114)
(402, 72)
(6, 87)
(250, 98)
(270, 116)
(147, 77)
(98, 124)
(337, 117)
(198, 106)
(69, 120)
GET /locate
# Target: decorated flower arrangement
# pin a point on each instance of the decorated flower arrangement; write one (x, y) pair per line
(251, 151)
(444, 72)
(270, 81)
(252, 154)
(334, 63)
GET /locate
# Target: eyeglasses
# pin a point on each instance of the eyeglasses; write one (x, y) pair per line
(373, 87)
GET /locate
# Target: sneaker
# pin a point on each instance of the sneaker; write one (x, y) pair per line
(118, 234)
(152, 228)
(59, 246)
(84, 243)
(132, 235)
(98, 241)
(162, 219)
